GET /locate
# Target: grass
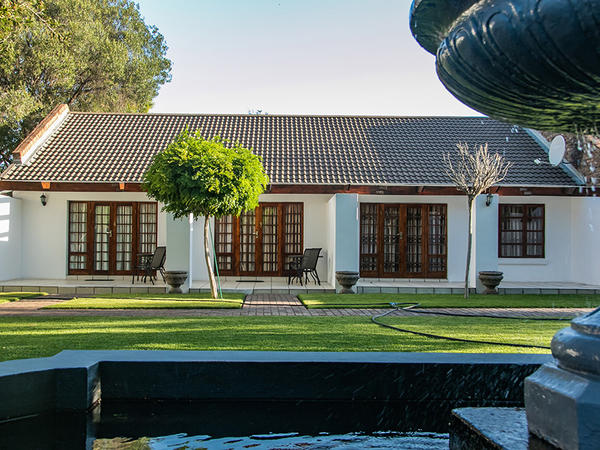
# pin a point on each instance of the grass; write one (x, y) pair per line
(6, 297)
(450, 300)
(151, 301)
(29, 337)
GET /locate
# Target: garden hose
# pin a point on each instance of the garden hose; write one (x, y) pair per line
(412, 305)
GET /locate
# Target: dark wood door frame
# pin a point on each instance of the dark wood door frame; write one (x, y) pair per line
(112, 241)
(259, 260)
(425, 246)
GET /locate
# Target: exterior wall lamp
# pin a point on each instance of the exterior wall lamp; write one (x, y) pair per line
(488, 199)
(44, 199)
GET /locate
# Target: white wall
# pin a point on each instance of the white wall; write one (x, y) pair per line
(37, 236)
(44, 229)
(331, 210)
(585, 239)
(484, 255)
(457, 223)
(557, 263)
(10, 238)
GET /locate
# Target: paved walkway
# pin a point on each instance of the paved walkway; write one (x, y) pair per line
(271, 305)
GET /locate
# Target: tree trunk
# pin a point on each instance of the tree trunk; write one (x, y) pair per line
(470, 201)
(211, 274)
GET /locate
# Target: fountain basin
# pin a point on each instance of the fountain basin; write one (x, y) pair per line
(528, 62)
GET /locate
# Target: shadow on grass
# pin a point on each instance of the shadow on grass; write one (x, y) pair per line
(28, 337)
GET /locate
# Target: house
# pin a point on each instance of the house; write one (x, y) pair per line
(370, 191)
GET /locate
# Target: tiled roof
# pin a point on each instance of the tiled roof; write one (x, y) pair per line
(92, 147)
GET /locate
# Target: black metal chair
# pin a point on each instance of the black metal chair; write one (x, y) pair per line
(301, 267)
(149, 264)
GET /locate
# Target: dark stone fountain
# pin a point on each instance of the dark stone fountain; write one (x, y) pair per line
(535, 63)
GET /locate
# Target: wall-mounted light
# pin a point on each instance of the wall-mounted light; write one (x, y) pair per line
(488, 199)
(43, 199)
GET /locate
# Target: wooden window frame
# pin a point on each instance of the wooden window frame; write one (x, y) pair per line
(526, 216)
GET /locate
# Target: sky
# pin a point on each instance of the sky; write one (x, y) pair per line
(353, 57)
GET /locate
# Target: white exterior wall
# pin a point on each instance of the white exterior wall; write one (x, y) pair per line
(10, 238)
(585, 238)
(556, 266)
(44, 229)
(33, 238)
(331, 213)
(457, 223)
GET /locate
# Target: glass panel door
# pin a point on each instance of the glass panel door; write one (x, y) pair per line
(78, 239)
(270, 240)
(102, 238)
(414, 236)
(124, 237)
(392, 235)
(368, 238)
(292, 233)
(224, 235)
(248, 234)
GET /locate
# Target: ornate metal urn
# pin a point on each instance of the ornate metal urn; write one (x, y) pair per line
(535, 63)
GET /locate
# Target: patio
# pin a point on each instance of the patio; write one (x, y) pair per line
(278, 285)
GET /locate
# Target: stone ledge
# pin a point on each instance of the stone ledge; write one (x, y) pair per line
(74, 380)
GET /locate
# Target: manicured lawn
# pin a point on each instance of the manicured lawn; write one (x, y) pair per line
(151, 301)
(450, 301)
(6, 297)
(28, 337)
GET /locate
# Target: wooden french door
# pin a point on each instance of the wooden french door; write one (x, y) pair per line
(259, 242)
(108, 237)
(403, 240)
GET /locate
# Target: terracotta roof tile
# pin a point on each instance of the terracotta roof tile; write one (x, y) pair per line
(295, 149)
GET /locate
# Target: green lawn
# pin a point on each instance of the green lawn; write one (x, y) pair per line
(6, 297)
(450, 301)
(151, 301)
(28, 337)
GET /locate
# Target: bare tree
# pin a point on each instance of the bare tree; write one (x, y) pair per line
(474, 173)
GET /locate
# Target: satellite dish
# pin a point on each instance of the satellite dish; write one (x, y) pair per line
(557, 150)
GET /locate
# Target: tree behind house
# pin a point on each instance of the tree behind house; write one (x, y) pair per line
(91, 55)
(205, 178)
(474, 173)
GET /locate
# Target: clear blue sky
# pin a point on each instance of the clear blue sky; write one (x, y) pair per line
(296, 57)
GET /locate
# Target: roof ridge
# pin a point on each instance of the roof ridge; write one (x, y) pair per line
(368, 116)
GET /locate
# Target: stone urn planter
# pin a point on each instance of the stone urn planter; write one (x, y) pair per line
(490, 279)
(347, 280)
(175, 278)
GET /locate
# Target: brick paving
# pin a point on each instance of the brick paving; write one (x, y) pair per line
(272, 305)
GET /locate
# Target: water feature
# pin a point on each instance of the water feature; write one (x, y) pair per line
(535, 63)
(303, 424)
(321, 399)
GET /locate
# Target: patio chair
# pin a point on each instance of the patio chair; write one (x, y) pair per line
(149, 264)
(300, 268)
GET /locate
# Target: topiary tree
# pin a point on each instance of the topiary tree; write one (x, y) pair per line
(207, 179)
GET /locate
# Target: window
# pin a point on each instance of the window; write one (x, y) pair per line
(521, 233)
